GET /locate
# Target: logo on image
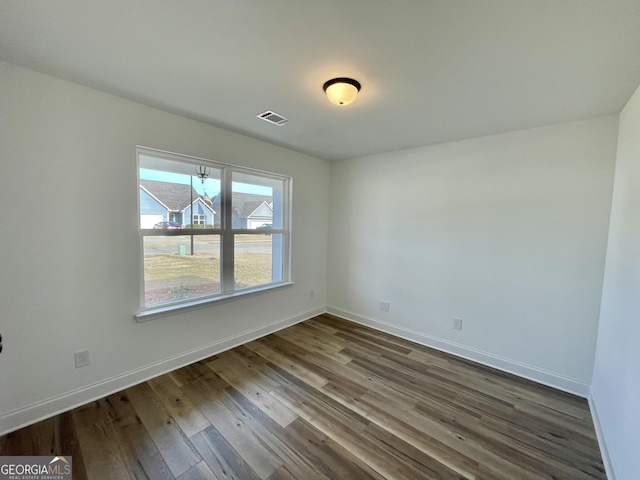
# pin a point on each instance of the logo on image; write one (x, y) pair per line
(36, 468)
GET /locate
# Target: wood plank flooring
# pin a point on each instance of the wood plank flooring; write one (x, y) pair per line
(325, 399)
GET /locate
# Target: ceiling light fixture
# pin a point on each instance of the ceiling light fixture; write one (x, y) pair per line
(341, 91)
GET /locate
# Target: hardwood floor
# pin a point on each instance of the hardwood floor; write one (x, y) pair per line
(325, 399)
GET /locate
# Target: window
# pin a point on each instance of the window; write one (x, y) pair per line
(209, 230)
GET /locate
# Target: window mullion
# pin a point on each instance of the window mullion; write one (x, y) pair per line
(227, 243)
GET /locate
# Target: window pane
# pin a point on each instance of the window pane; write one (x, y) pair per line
(257, 201)
(253, 260)
(172, 191)
(180, 195)
(173, 271)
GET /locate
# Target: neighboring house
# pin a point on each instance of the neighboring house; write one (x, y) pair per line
(172, 202)
(250, 211)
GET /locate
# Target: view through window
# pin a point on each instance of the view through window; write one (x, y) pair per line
(209, 230)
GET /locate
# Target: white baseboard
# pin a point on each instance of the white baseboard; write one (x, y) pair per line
(607, 459)
(55, 405)
(47, 408)
(529, 372)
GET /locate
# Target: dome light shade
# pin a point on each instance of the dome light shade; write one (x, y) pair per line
(341, 91)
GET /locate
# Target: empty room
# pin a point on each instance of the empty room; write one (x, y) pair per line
(320, 240)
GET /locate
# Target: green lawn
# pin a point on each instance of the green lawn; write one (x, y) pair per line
(173, 277)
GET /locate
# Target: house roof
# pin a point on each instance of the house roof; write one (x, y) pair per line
(262, 210)
(244, 204)
(175, 196)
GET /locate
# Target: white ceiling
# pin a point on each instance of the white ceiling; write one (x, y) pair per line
(431, 71)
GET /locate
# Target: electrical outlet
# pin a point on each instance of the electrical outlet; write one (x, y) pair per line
(384, 306)
(457, 324)
(82, 358)
(312, 294)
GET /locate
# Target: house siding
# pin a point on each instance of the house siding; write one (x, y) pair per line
(149, 206)
(199, 208)
(261, 215)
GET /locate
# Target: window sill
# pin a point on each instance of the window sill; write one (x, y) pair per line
(165, 310)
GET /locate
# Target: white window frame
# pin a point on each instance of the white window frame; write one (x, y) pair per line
(226, 233)
(199, 218)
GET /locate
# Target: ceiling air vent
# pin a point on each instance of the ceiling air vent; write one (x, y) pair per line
(273, 117)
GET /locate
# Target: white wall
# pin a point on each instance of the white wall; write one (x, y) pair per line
(507, 232)
(69, 248)
(615, 391)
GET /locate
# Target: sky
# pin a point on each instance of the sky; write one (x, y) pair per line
(211, 186)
